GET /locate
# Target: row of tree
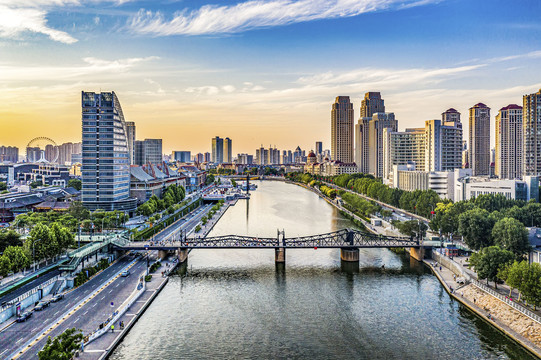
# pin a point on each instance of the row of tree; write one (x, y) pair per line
(172, 195)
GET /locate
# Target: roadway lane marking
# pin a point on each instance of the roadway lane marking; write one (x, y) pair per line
(85, 312)
(76, 320)
(56, 313)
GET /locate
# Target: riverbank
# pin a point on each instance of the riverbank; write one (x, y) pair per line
(510, 322)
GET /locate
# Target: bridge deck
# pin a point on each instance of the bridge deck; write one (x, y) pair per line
(345, 238)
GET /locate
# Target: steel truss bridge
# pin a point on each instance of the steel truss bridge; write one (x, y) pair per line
(346, 238)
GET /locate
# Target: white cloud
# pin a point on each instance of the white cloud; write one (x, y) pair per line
(21, 16)
(214, 19)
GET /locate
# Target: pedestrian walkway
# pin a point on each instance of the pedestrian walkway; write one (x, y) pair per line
(500, 315)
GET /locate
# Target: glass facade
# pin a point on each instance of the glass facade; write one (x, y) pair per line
(105, 154)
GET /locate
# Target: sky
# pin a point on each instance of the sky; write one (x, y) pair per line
(261, 72)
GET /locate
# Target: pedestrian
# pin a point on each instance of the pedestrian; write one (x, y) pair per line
(440, 268)
(112, 328)
(474, 300)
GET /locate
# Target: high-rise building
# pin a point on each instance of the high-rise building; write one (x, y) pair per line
(342, 130)
(182, 156)
(33, 154)
(66, 151)
(9, 154)
(228, 151)
(371, 104)
(403, 148)
(443, 145)
(217, 150)
(148, 151)
(376, 125)
(130, 126)
(479, 139)
(531, 120)
(319, 148)
(509, 145)
(207, 157)
(106, 164)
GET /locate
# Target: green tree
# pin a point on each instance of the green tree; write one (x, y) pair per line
(78, 211)
(5, 265)
(3, 186)
(511, 234)
(17, 257)
(63, 347)
(411, 228)
(9, 238)
(35, 184)
(39, 242)
(476, 228)
(514, 274)
(531, 285)
(75, 183)
(210, 179)
(489, 261)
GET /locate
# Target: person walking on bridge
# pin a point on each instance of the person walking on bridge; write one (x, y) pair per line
(112, 328)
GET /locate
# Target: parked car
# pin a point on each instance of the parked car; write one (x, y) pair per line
(24, 316)
(57, 297)
(42, 305)
(125, 273)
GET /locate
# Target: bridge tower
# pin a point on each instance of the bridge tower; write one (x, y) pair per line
(280, 249)
(247, 184)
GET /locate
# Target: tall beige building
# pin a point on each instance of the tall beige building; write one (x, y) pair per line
(371, 104)
(342, 130)
(130, 128)
(403, 148)
(228, 151)
(509, 144)
(376, 125)
(479, 139)
(531, 120)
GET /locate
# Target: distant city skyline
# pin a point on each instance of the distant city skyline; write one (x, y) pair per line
(261, 73)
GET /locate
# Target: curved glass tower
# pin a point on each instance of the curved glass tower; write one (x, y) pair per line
(106, 163)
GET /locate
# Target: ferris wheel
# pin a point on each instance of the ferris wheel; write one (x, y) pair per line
(42, 149)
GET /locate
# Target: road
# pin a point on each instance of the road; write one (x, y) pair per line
(188, 222)
(29, 286)
(87, 317)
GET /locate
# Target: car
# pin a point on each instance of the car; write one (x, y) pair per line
(42, 305)
(125, 273)
(57, 297)
(24, 316)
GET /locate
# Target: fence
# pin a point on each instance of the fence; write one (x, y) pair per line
(506, 300)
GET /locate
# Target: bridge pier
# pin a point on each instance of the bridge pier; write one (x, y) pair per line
(182, 255)
(349, 254)
(417, 253)
(280, 255)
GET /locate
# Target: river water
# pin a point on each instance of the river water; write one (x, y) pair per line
(234, 304)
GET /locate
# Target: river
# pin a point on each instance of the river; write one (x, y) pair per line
(234, 304)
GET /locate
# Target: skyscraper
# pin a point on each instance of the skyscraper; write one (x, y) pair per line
(148, 151)
(106, 165)
(217, 150)
(376, 125)
(531, 120)
(342, 130)
(9, 154)
(479, 139)
(130, 126)
(509, 144)
(371, 104)
(228, 151)
(319, 148)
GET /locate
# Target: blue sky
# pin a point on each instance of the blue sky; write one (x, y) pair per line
(260, 72)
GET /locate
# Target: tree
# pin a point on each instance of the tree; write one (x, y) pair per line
(531, 285)
(17, 257)
(5, 265)
(3, 186)
(78, 211)
(63, 347)
(489, 261)
(411, 228)
(35, 184)
(209, 180)
(476, 228)
(9, 238)
(511, 234)
(75, 183)
(39, 242)
(233, 183)
(514, 274)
